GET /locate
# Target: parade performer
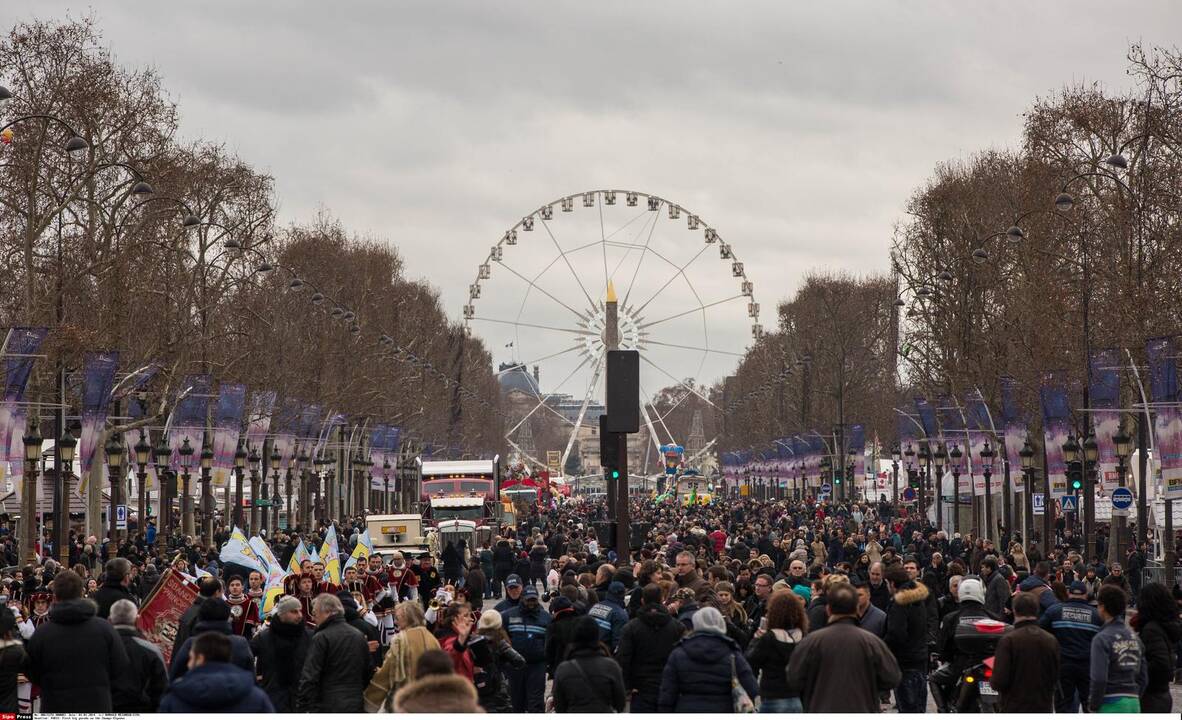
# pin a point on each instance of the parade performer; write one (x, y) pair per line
(307, 593)
(244, 610)
(39, 607)
(402, 581)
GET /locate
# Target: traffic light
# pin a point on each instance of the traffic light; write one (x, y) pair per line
(614, 474)
(1076, 484)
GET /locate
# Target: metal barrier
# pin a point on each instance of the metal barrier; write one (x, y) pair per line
(1161, 574)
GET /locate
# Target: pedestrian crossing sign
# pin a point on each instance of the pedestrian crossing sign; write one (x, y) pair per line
(1069, 503)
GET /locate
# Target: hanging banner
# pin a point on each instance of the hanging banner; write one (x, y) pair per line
(1056, 427)
(23, 342)
(954, 433)
(98, 379)
(14, 454)
(135, 382)
(285, 427)
(858, 447)
(188, 423)
(160, 615)
(227, 426)
(258, 423)
(1162, 354)
(980, 424)
(1104, 390)
(1015, 432)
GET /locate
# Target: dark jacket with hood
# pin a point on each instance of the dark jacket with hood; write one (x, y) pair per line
(1161, 644)
(697, 677)
(907, 625)
(588, 682)
(75, 658)
(336, 671)
(139, 689)
(281, 649)
(645, 645)
(110, 593)
(559, 632)
(216, 688)
(1038, 586)
(240, 652)
(611, 617)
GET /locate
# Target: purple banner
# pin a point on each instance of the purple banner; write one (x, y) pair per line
(143, 376)
(189, 418)
(1015, 440)
(377, 454)
(1162, 354)
(227, 426)
(98, 377)
(1055, 412)
(954, 433)
(1104, 389)
(858, 446)
(285, 427)
(258, 423)
(12, 455)
(22, 342)
(980, 423)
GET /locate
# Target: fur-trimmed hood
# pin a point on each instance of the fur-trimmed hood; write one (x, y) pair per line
(437, 694)
(916, 593)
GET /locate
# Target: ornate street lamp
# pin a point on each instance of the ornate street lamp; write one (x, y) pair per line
(32, 441)
(207, 502)
(114, 451)
(143, 456)
(165, 484)
(257, 493)
(67, 445)
(987, 455)
(187, 519)
(240, 480)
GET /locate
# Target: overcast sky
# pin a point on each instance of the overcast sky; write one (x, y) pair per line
(797, 129)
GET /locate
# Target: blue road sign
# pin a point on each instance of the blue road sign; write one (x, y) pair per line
(1069, 503)
(1038, 503)
(1122, 498)
(826, 488)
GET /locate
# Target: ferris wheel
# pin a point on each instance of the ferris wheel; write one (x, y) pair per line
(683, 301)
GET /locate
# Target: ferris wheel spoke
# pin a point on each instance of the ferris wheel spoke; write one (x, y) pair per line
(540, 289)
(652, 433)
(647, 241)
(570, 443)
(603, 244)
(674, 406)
(657, 414)
(692, 347)
(630, 246)
(680, 382)
(573, 331)
(542, 399)
(568, 263)
(691, 310)
(679, 272)
(527, 363)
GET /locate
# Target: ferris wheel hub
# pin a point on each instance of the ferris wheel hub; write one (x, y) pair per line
(595, 324)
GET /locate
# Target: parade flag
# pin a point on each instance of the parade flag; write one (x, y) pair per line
(227, 426)
(298, 555)
(160, 615)
(274, 572)
(98, 379)
(1053, 398)
(1104, 389)
(238, 552)
(1162, 354)
(332, 561)
(362, 550)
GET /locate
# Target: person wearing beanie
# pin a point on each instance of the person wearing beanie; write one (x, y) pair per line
(281, 648)
(213, 615)
(588, 681)
(697, 676)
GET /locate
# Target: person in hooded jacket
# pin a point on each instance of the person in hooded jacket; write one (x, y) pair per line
(214, 616)
(906, 636)
(645, 644)
(1156, 622)
(213, 684)
(74, 656)
(281, 648)
(369, 630)
(609, 614)
(698, 676)
(138, 690)
(558, 633)
(588, 681)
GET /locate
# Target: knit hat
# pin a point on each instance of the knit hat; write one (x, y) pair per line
(724, 586)
(708, 619)
(489, 620)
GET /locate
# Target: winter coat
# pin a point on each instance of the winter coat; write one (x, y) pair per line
(558, 637)
(1073, 623)
(906, 626)
(216, 688)
(139, 689)
(611, 617)
(492, 657)
(503, 558)
(1160, 641)
(442, 694)
(645, 645)
(75, 658)
(336, 671)
(997, 592)
(697, 677)
(281, 649)
(588, 682)
(240, 652)
(841, 668)
(1026, 669)
(1038, 586)
(769, 656)
(527, 632)
(109, 594)
(12, 662)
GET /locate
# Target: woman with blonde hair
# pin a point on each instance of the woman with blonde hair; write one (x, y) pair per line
(406, 647)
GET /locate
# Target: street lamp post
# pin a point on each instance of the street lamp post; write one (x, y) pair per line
(143, 455)
(1124, 446)
(118, 477)
(955, 455)
(1071, 455)
(257, 492)
(164, 478)
(1027, 455)
(1091, 454)
(304, 492)
(987, 455)
(320, 463)
(925, 472)
(32, 442)
(207, 503)
(940, 457)
(240, 480)
(386, 481)
(275, 460)
(1007, 494)
(895, 474)
(287, 506)
(188, 521)
(66, 446)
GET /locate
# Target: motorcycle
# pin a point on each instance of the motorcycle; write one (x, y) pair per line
(974, 691)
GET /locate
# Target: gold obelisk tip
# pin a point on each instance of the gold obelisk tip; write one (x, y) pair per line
(611, 292)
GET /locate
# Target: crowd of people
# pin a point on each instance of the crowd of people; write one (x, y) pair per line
(729, 606)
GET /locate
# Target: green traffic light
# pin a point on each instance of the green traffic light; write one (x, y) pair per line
(1076, 484)
(615, 474)
(837, 481)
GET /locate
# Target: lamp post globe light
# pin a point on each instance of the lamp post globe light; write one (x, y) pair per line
(1026, 454)
(895, 456)
(32, 442)
(118, 477)
(274, 460)
(61, 521)
(987, 455)
(925, 472)
(1124, 447)
(304, 491)
(1090, 457)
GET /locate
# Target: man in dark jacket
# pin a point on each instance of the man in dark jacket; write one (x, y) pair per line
(214, 616)
(115, 584)
(821, 665)
(611, 617)
(139, 689)
(645, 645)
(1026, 663)
(213, 684)
(906, 636)
(74, 656)
(503, 562)
(207, 587)
(526, 625)
(997, 588)
(1073, 624)
(358, 623)
(338, 665)
(560, 631)
(281, 649)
